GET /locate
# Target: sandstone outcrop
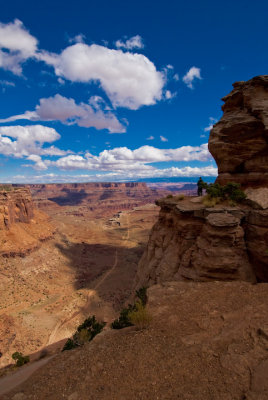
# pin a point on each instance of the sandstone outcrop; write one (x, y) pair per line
(15, 206)
(192, 242)
(239, 141)
(22, 227)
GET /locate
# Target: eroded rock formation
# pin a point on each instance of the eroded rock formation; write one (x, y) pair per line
(192, 242)
(22, 227)
(15, 206)
(239, 141)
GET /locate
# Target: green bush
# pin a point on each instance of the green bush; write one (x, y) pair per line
(69, 345)
(124, 318)
(84, 333)
(231, 191)
(20, 359)
(170, 196)
(142, 295)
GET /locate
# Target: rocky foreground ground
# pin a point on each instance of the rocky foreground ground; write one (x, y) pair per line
(206, 341)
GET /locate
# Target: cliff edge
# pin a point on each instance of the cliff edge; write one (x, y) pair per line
(194, 242)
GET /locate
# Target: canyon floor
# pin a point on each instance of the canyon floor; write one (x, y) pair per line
(87, 268)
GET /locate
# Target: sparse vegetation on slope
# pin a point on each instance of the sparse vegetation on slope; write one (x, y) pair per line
(134, 314)
(140, 317)
(20, 359)
(84, 333)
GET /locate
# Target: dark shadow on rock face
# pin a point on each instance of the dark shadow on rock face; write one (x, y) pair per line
(70, 198)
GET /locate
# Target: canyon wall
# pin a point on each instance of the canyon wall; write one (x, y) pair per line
(193, 242)
(15, 206)
(94, 199)
(198, 243)
(22, 227)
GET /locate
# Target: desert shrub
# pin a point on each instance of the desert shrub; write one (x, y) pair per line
(142, 295)
(215, 190)
(124, 318)
(84, 333)
(69, 345)
(170, 196)
(231, 192)
(20, 359)
(140, 317)
(92, 326)
(210, 201)
(81, 337)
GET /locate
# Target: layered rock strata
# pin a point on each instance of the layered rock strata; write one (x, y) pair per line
(15, 206)
(22, 227)
(239, 141)
(193, 242)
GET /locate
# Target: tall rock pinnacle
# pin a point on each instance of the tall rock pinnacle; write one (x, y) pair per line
(239, 141)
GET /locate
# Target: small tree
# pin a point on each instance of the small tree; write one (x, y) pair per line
(20, 359)
(84, 333)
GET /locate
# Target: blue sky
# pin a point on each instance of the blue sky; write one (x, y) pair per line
(120, 90)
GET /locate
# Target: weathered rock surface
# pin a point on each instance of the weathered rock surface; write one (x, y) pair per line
(15, 206)
(239, 141)
(258, 197)
(207, 341)
(192, 242)
(22, 227)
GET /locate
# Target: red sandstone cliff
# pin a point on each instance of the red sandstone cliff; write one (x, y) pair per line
(22, 227)
(239, 141)
(192, 242)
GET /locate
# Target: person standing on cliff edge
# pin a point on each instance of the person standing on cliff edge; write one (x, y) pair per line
(200, 186)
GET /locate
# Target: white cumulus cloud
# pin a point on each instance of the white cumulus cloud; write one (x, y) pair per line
(129, 80)
(191, 75)
(16, 46)
(125, 159)
(59, 108)
(28, 142)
